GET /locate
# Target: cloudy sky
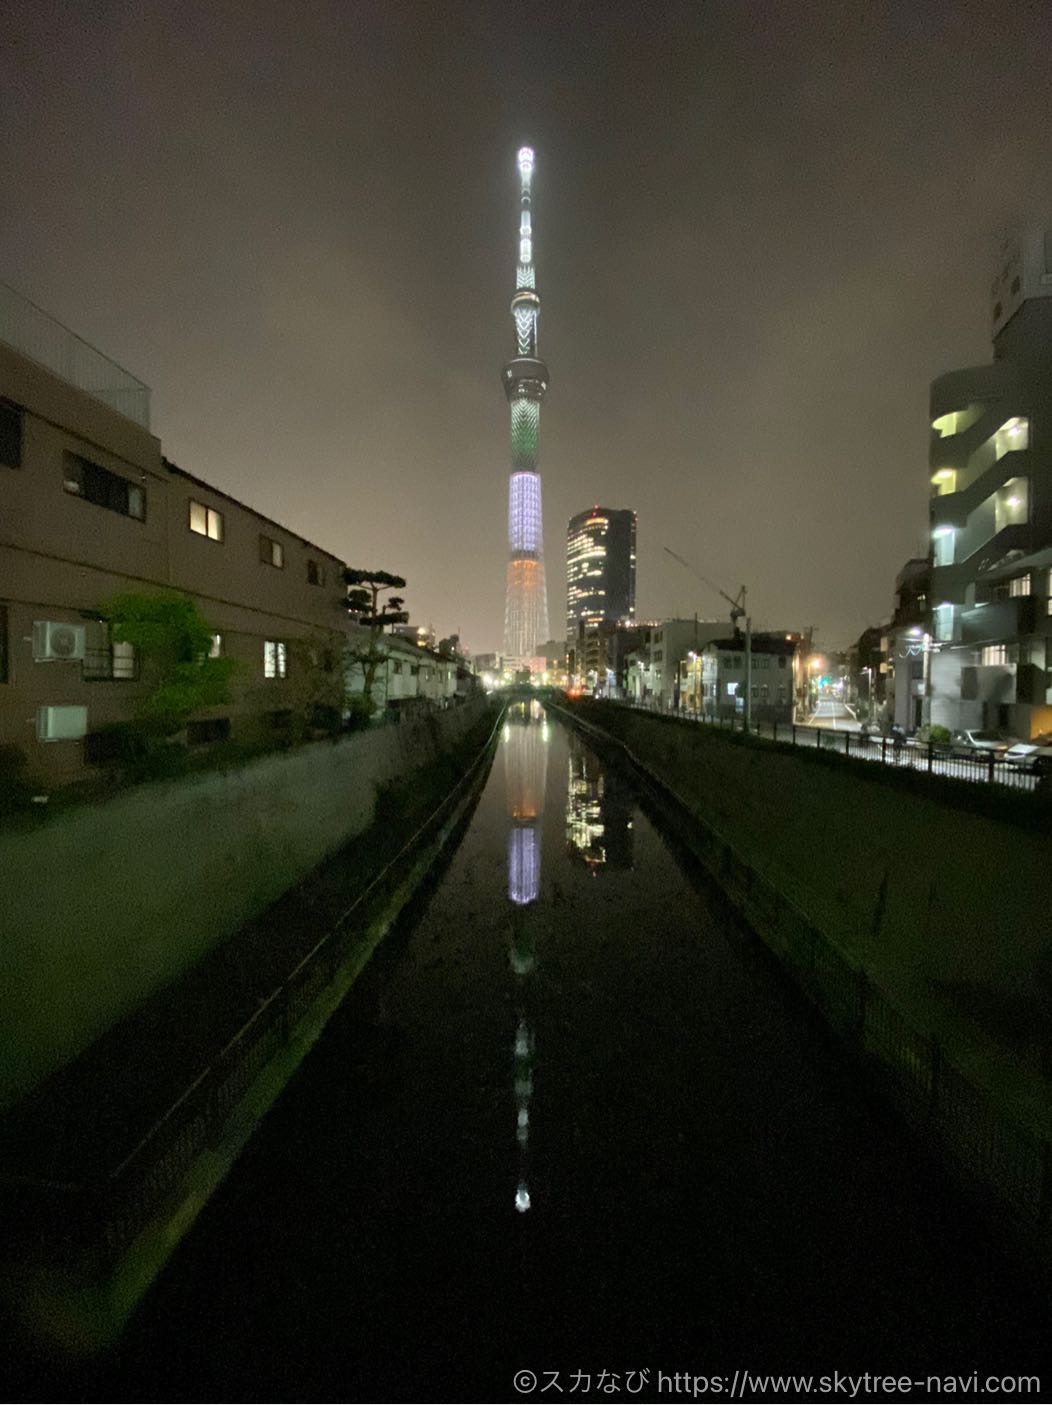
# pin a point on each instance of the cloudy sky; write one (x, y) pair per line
(761, 229)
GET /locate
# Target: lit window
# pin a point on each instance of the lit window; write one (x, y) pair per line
(61, 724)
(206, 521)
(271, 553)
(215, 649)
(1012, 503)
(994, 654)
(1019, 585)
(274, 658)
(956, 422)
(942, 546)
(1014, 434)
(124, 665)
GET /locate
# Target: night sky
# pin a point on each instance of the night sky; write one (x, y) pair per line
(761, 229)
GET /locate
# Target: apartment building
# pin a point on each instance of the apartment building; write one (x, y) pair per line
(653, 668)
(986, 640)
(89, 510)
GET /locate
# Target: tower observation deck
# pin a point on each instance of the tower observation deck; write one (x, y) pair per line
(525, 378)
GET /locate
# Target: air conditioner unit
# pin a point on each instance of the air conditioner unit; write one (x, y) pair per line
(54, 640)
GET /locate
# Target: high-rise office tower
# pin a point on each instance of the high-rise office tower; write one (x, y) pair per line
(525, 382)
(600, 568)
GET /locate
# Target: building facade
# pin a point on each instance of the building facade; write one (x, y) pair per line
(90, 510)
(713, 680)
(600, 568)
(525, 380)
(906, 650)
(412, 676)
(986, 660)
(652, 669)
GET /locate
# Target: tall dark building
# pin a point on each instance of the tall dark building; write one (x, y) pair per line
(600, 568)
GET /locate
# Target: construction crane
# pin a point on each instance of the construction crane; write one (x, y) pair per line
(738, 611)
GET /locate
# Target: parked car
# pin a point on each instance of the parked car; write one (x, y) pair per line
(1035, 755)
(978, 746)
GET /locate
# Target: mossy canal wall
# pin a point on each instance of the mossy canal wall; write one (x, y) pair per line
(104, 905)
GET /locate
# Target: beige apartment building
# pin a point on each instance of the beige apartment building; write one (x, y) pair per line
(90, 509)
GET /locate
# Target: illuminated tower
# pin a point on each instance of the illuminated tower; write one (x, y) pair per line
(525, 381)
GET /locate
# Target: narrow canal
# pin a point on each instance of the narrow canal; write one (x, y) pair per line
(571, 1119)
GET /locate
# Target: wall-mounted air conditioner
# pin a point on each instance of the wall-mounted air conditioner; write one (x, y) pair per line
(54, 640)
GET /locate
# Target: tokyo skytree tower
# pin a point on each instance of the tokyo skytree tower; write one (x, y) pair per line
(525, 381)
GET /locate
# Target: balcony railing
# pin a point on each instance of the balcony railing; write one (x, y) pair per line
(31, 331)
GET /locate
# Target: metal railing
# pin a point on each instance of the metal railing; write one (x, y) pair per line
(36, 334)
(994, 1151)
(932, 758)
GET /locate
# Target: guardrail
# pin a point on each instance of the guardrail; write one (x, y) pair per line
(932, 758)
(994, 1151)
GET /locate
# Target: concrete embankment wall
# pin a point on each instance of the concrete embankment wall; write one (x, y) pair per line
(924, 893)
(105, 905)
(918, 929)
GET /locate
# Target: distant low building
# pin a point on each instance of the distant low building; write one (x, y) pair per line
(713, 682)
(409, 675)
(653, 668)
(867, 672)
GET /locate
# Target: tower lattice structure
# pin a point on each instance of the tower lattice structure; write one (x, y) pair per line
(525, 382)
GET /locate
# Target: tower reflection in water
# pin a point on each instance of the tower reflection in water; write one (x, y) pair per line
(525, 745)
(598, 813)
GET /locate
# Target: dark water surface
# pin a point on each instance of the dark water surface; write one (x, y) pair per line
(570, 1119)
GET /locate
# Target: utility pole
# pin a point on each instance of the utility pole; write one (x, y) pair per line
(738, 610)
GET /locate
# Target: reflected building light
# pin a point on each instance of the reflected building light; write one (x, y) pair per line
(524, 865)
(598, 814)
(525, 761)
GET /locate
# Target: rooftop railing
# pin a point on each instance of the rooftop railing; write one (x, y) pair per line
(31, 331)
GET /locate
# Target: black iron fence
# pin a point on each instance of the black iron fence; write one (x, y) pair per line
(932, 758)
